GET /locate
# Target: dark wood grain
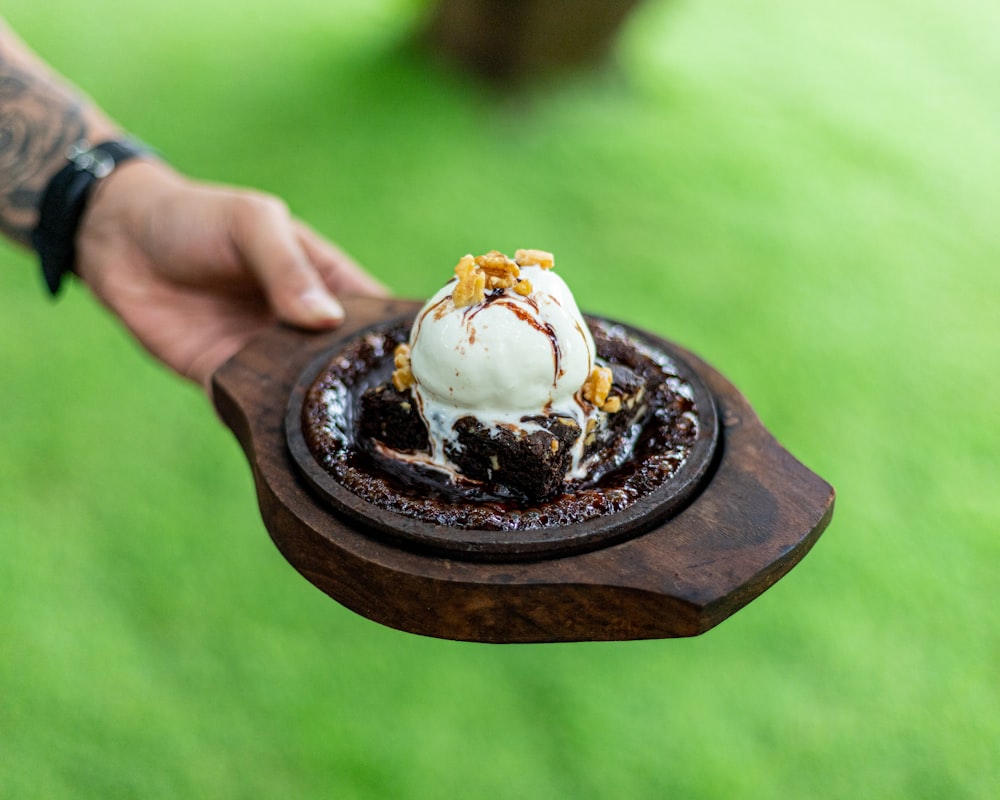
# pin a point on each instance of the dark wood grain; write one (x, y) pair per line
(756, 518)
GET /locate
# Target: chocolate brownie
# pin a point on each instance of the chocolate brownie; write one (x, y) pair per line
(391, 417)
(528, 463)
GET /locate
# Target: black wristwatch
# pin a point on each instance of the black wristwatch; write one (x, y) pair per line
(65, 199)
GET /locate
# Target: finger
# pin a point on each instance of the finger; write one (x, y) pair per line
(267, 238)
(339, 271)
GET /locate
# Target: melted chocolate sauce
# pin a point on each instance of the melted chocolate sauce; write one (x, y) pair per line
(500, 297)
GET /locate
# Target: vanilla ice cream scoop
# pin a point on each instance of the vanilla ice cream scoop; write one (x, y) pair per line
(508, 353)
(504, 343)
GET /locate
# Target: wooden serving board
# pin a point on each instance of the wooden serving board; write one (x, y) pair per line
(757, 515)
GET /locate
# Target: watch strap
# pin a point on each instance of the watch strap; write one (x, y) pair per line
(65, 199)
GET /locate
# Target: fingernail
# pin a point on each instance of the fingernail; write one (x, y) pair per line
(321, 306)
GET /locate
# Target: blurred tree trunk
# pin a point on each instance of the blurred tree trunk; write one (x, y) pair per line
(510, 40)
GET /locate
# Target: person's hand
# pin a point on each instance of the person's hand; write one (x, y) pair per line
(195, 270)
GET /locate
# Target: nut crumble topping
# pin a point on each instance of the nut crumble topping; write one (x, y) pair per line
(540, 258)
(495, 270)
(496, 264)
(402, 376)
(471, 287)
(596, 389)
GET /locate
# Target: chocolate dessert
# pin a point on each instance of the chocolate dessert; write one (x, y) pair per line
(500, 407)
(528, 463)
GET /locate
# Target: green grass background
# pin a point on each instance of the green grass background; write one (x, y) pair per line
(804, 194)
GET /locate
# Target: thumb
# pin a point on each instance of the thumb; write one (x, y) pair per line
(266, 238)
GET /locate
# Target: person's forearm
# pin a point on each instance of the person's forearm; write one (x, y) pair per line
(41, 115)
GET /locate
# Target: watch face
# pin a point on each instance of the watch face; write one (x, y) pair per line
(100, 159)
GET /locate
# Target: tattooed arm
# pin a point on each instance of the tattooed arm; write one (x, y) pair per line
(40, 117)
(192, 270)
